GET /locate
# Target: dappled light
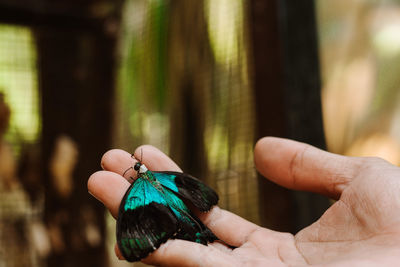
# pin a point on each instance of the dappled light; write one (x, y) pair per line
(18, 81)
(360, 52)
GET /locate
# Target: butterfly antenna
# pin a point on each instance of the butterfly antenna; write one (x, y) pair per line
(130, 168)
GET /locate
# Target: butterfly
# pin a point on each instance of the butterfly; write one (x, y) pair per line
(153, 210)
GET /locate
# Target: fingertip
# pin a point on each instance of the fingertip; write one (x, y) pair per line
(116, 159)
(92, 182)
(155, 159)
(271, 155)
(262, 149)
(143, 151)
(109, 188)
(267, 140)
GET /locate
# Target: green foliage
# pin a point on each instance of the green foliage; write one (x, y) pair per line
(19, 83)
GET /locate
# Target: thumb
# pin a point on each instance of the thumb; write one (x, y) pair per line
(300, 166)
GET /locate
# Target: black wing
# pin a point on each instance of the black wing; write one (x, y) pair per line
(190, 188)
(144, 221)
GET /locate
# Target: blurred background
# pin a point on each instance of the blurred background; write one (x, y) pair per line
(201, 80)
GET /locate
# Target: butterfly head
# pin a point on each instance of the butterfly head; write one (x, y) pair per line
(140, 167)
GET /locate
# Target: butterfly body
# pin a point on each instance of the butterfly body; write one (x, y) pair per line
(153, 210)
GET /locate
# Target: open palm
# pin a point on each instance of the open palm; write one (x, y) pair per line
(361, 228)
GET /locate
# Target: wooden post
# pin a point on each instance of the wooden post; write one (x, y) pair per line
(287, 95)
(76, 84)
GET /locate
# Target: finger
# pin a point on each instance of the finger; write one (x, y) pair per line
(216, 245)
(228, 227)
(300, 166)
(109, 188)
(155, 160)
(221, 246)
(119, 161)
(184, 253)
(167, 256)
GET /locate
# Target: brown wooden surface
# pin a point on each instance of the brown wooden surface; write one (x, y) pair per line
(189, 74)
(287, 99)
(76, 84)
(275, 202)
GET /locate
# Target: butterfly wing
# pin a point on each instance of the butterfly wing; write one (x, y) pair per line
(144, 221)
(190, 227)
(190, 188)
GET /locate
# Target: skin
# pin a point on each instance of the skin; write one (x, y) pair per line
(362, 228)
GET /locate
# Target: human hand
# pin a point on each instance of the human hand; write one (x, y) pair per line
(361, 228)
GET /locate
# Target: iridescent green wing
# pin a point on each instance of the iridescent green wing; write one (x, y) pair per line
(145, 221)
(190, 227)
(189, 188)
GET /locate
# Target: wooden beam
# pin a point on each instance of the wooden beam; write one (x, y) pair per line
(287, 98)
